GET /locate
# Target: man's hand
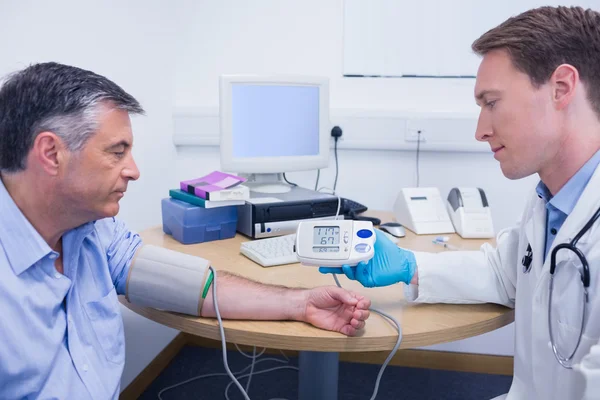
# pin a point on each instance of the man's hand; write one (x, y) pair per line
(336, 309)
(390, 264)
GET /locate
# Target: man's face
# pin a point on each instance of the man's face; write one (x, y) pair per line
(516, 119)
(96, 177)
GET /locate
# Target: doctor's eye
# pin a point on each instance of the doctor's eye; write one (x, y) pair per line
(119, 154)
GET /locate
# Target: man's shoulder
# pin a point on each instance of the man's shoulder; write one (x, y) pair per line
(112, 230)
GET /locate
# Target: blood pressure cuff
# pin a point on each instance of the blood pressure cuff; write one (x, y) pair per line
(167, 280)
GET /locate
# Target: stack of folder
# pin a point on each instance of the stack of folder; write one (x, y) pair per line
(217, 189)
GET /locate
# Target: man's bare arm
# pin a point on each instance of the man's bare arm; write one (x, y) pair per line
(326, 307)
(241, 298)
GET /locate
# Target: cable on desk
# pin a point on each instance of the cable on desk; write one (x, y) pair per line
(318, 176)
(339, 205)
(336, 164)
(291, 183)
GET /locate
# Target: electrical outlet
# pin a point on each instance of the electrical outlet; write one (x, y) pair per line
(415, 135)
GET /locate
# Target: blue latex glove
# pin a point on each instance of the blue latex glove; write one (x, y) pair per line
(390, 264)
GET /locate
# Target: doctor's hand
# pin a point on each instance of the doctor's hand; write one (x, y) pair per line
(336, 309)
(390, 264)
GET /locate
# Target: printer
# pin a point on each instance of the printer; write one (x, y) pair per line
(470, 213)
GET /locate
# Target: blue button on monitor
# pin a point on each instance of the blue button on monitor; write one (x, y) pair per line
(364, 233)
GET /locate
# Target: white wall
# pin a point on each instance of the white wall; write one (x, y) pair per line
(305, 37)
(131, 43)
(395, 38)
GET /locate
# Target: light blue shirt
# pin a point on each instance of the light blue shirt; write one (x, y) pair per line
(562, 204)
(61, 336)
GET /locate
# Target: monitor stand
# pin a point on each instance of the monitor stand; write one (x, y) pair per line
(266, 183)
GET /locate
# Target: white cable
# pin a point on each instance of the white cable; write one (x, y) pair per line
(260, 372)
(188, 381)
(338, 197)
(231, 375)
(222, 331)
(394, 350)
(235, 381)
(284, 356)
(325, 187)
(216, 375)
(249, 355)
(251, 369)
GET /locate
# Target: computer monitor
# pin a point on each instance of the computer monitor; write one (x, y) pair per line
(271, 125)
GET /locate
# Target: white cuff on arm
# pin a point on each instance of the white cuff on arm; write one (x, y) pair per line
(167, 280)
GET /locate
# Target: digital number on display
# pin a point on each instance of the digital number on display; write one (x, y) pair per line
(326, 236)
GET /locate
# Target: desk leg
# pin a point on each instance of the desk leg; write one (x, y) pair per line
(318, 376)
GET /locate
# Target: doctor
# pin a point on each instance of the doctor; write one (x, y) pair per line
(538, 87)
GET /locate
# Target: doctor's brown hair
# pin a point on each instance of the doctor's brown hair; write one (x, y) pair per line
(541, 39)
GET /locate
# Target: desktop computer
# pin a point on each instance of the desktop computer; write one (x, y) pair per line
(271, 125)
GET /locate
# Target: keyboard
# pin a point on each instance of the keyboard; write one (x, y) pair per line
(270, 252)
(352, 208)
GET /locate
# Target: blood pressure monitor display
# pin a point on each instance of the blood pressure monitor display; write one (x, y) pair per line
(326, 239)
(326, 235)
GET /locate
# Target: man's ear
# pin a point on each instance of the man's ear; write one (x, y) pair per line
(564, 81)
(49, 152)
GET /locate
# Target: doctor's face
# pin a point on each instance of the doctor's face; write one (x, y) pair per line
(516, 118)
(96, 177)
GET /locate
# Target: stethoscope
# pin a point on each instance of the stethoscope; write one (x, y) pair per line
(585, 279)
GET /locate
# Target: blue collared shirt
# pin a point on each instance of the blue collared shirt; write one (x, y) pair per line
(559, 207)
(61, 335)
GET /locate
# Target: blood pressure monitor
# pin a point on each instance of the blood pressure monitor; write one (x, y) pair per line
(334, 243)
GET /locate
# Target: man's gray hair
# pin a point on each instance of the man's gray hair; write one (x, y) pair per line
(52, 97)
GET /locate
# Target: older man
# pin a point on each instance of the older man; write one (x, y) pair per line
(65, 162)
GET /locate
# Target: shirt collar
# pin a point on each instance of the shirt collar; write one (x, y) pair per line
(23, 245)
(567, 197)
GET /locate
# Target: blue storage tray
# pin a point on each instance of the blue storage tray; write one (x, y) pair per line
(189, 224)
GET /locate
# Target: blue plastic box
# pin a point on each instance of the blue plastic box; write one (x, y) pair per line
(189, 224)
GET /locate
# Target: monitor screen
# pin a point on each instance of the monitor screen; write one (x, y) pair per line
(274, 124)
(274, 121)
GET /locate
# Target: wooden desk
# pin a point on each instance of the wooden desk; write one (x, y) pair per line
(422, 324)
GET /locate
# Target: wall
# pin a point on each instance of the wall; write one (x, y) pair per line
(131, 43)
(306, 37)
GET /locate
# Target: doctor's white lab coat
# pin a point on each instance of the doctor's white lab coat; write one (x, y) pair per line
(495, 275)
